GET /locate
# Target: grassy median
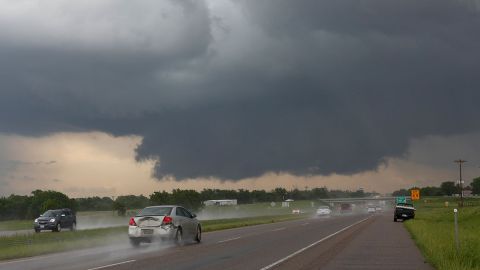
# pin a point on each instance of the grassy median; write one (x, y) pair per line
(43, 243)
(15, 225)
(222, 224)
(20, 246)
(433, 231)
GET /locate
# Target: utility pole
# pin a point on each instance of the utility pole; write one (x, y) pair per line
(460, 162)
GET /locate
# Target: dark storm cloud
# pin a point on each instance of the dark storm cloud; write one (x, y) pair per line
(305, 87)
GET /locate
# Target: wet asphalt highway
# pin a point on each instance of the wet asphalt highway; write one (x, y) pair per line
(316, 243)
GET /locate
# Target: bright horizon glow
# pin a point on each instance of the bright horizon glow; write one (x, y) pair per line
(97, 164)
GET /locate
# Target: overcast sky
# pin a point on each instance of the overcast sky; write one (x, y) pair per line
(96, 95)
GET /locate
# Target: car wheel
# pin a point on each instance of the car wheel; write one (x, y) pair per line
(394, 219)
(37, 231)
(198, 236)
(179, 237)
(134, 242)
(74, 226)
(58, 228)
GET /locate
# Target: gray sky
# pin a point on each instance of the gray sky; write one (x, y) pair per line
(236, 90)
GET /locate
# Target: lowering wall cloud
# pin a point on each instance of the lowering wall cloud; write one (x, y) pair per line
(240, 89)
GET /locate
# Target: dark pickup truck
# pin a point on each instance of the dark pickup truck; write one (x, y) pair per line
(403, 211)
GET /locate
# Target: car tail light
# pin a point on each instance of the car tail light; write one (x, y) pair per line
(132, 222)
(167, 220)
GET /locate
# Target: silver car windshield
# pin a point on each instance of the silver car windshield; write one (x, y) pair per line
(51, 213)
(155, 211)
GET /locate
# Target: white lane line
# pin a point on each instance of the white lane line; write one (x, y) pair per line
(311, 245)
(230, 239)
(279, 229)
(110, 265)
(305, 224)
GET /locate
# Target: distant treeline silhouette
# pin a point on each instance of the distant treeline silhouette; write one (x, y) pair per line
(31, 206)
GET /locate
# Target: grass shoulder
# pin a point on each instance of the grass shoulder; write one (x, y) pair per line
(433, 232)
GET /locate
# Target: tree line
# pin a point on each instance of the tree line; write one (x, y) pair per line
(31, 206)
(447, 188)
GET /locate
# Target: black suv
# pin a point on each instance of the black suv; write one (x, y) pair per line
(404, 211)
(56, 220)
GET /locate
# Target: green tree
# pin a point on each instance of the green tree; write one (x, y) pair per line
(51, 204)
(120, 208)
(448, 188)
(189, 199)
(280, 194)
(261, 196)
(133, 202)
(44, 200)
(320, 193)
(358, 194)
(476, 186)
(94, 204)
(159, 198)
(431, 191)
(244, 196)
(14, 207)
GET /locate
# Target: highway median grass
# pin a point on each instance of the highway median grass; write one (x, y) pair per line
(20, 246)
(433, 232)
(223, 224)
(15, 225)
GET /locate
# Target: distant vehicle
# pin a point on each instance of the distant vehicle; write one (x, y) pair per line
(403, 211)
(378, 209)
(296, 211)
(55, 220)
(164, 222)
(371, 209)
(345, 208)
(323, 211)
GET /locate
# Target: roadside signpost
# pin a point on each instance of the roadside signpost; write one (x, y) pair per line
(415, 194)
(401, 199)
(457, 243)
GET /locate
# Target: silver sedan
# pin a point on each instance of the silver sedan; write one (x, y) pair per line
(165, 222)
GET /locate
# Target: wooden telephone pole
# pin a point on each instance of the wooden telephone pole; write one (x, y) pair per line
(460, 162)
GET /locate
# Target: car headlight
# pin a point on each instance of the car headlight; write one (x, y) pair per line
(52, 220)
(36, 220)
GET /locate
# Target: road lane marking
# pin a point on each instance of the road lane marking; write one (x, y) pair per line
(230, 239)
(305, 224)
(110, 265)
(311, 245)
(279, 229)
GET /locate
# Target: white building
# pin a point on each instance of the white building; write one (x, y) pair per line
(220, 202)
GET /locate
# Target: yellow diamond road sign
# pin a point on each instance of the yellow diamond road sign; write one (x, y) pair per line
(415, 194)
